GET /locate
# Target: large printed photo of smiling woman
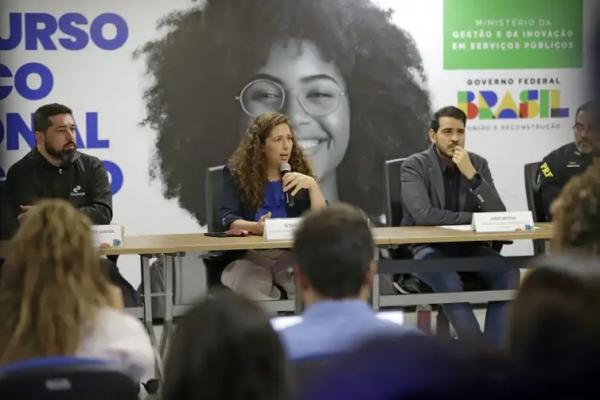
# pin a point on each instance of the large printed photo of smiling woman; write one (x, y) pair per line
(351, 82)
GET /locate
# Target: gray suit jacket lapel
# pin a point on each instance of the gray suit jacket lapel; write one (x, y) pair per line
(437, 181)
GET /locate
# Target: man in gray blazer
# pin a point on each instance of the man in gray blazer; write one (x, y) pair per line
(445, 185)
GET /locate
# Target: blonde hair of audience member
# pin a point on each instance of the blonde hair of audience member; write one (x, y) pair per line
(52, 283)
(576, 214)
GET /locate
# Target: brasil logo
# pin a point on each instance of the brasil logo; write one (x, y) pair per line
(533, 103)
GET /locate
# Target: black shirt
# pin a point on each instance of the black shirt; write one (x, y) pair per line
(451, 176)
(557, 169)
(83, 183)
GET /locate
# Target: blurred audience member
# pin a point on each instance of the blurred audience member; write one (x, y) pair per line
(577, 214)
(554, 335)
(56, 300)
(225, 349)
(334, 251)
(407, 367)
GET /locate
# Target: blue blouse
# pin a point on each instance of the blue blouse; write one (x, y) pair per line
(233, 207)
(273, 201)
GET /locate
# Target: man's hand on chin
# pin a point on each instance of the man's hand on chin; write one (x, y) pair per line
(463, 162)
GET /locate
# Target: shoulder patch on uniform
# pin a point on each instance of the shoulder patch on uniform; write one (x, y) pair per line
(545, 168)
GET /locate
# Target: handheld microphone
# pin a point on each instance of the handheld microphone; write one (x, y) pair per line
(285, 168)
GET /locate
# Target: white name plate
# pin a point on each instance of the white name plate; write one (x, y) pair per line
(107, 235)
(281, 228)
(509, 221)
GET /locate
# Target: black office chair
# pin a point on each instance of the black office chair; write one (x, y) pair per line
(404, 283)
(534, 200)
(393, 202)
(66, 378)
(215, 262)
(212, 193)
(6, 218)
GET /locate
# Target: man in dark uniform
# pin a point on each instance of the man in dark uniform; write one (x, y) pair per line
(569, 160)
(55, 169)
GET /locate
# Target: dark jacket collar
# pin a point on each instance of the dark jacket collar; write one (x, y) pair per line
(435, 172)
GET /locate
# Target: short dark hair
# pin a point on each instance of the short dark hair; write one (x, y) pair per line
(41, 116)
(333, 248)
(225, 348)
(590, 106)
(448, 111)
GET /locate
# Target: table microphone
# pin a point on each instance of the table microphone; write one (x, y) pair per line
(284, 168)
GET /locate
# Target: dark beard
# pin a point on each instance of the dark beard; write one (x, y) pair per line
(65, 155)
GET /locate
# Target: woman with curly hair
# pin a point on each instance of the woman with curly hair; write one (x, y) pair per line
(56, 300)
(351, 82)
(254, 189)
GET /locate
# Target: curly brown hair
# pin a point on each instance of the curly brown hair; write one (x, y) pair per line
(577, 213)
(247, 163)
(52, 284)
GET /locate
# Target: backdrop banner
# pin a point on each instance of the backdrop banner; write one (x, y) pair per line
(162, 90)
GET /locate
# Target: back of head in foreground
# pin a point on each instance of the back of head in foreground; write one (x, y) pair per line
(334, 249)
(576, 214)
(51, 283)
(555, 324)
(225, 349)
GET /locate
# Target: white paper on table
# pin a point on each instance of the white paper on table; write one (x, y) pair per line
(464, 228)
